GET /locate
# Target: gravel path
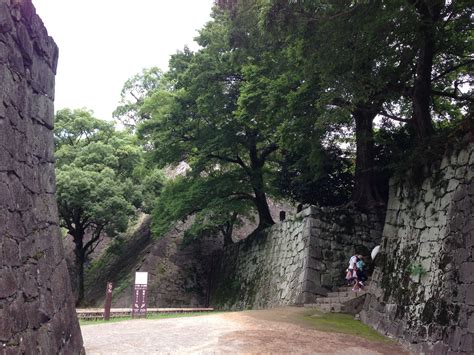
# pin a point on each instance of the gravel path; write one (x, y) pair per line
(237, 332)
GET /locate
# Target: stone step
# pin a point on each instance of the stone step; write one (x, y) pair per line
(338, 301)
(349, 288)
(339, 294)
(347, 293)
(333, 307)
(334, 301)
(322, 300)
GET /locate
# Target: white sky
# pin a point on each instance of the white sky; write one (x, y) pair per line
(102, 43)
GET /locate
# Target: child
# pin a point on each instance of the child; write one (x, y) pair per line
(351, 275)
(360, 270)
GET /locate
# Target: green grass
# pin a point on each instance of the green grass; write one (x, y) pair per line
(342, 323)
(149, 316)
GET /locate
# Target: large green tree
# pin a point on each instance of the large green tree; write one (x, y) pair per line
(95, 189)
(376, 58)
(444, 60)
(210, 115)
(343, 51)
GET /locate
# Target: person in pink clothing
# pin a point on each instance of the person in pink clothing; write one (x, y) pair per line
(351, 276)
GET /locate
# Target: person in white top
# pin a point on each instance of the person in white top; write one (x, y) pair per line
(352, 273)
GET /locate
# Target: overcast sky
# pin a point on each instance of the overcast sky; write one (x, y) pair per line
(102, 43)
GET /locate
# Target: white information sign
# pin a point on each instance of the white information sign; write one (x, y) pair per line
(141, 278)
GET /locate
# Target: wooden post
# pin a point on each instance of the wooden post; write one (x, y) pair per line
(108, 300)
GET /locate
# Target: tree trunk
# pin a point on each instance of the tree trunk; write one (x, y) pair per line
(258, 186)
(422, 89)
(264, 215)
(228, 229)
(80, 255)
(227, 239)
(365, 193)
(80, 271)
(429, 14)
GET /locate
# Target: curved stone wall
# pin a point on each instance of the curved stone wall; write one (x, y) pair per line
(423, 288)
(37, 313)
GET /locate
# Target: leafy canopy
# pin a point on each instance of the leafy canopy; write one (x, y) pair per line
(95, 167)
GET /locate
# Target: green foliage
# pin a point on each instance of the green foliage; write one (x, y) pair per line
(210, 199)
(324, 177)
(280, 89)
(98, 186)
(216, 113)
(134, 92)
(74, 127)
(366, 56)
(399, 152)
(416, 269)
(94, 173)
(342, 323)
(149, 180)
(96, 197)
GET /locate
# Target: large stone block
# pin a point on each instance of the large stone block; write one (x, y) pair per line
(6, 22)
(36, 303)
(466, 273)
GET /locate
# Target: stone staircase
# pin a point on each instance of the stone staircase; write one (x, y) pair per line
(343, 300)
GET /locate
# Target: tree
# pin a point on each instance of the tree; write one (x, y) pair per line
(208, 115)
(134, 92)
(377, 58)
(444, 44)
(348, 49)
(209, 200)
(322, 177)
(95, 192)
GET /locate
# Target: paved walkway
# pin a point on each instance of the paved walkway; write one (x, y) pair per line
(225, 333)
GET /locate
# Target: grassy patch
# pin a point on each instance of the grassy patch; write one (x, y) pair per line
(341, 323)
(149, 316)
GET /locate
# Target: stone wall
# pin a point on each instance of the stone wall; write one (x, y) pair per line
(423, 285)
(178, 269)
(37, 313)
(295, 260)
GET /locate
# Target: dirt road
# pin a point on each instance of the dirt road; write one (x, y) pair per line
(270, 331)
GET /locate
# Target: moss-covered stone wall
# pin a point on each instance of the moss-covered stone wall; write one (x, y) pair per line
(423, 286)
(294, 261)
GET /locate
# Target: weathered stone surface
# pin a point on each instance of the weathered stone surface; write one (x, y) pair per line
(37, 313)
(6, 22)
(295, 261)
(428, 269)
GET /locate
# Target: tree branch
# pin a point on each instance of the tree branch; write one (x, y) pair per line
(450, 70)
(94, 238)
(393, 117)
(340, 102)
(237, 160)
(243, 196)
(268, 150)
(69, 226)
(91, 250)
(452, 95)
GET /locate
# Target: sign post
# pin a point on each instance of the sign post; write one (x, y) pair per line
(108, 300)
(139, 305)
